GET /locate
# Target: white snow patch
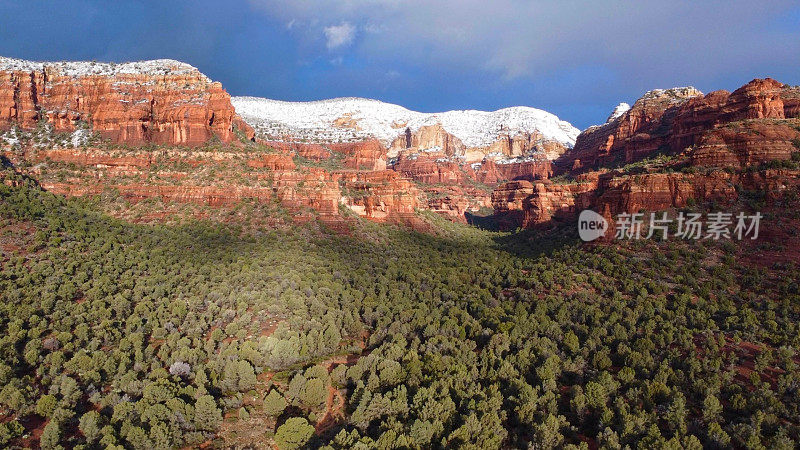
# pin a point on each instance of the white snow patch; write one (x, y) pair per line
(80, 137)
(90, 68)
(315, 121)
(10, 138)
(619, 110)
(674, 94)
(431, 150)
(519, 159)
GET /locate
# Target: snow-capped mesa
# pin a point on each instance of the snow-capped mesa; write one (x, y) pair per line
(619, 110)
(90, 68)
(356, 119)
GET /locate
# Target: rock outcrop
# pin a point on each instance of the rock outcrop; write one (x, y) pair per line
(527, 205)
(429, 170)
(216, 196)
(748, 143)
(427, 138)
(441, 164)
(379, 195)
(528, 168)
(364, 155)
(740, 131)
(469, 134)
(163, 101)
(638, 131)
(435, 139)
(273, 161)
(221, 178)
(672, 121)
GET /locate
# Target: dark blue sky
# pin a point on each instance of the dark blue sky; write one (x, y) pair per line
(576, 59)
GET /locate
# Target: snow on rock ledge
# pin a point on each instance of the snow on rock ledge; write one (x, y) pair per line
(354, 119)
(90, 68)
(161, 101)
(619, 110)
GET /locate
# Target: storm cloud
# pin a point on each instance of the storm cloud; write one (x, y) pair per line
(574, 58)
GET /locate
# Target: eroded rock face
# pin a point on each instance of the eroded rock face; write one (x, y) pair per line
(314, 188)
(645, 121)
(526, 204)
(426, 138)
(457, 190)
(507, 201)
(673, 121)
(740, 131)
(222, 179)
(658, 191)
(522, 204)
(791, 101)
(469, 134)
(746, 144)
(429, 170)
(273, 161)
(527, 169)
(365, 155)
(379, 195)
(166, 102)
(457, 203)
(435, 139)
(216, 196)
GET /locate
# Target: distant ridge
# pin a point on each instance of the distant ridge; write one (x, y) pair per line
(351, 119)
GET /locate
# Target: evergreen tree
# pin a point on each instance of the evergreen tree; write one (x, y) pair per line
(293, 434)
(274, 403)
(207, 416)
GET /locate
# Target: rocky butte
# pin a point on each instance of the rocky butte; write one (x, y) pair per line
(671, 148)
(161, 101)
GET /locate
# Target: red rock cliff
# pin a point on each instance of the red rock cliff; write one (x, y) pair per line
(524, 204)
(742, 130)
(674, 120)
(164, 101)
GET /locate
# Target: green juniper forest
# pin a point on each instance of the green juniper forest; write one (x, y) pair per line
(122, 335)
(399, 225)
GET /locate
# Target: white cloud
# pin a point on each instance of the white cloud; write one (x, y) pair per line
(339, 35)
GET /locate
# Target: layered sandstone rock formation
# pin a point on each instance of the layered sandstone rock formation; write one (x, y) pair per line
(162, 101)
(382, 161)
(171, 103)
(363, 155)
(379, 194)
(747, 144)
(525, 204)
(221, 178)
(452, 156)
(506, 144)
(469, 135)
(671, 121)
(740, 131)
(639, 130)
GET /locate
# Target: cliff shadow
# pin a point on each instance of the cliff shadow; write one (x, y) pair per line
(540, 241)
(483, 222)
